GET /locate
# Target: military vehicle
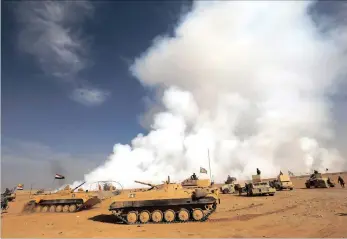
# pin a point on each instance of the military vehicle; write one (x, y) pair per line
(318, 181)
(282, 182)
(65, 200)
(257, 187)
(229, 186)
(164, 203)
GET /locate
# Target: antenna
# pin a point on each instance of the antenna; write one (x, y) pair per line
(209, 162)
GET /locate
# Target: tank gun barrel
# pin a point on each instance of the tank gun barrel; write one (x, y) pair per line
(148, 184)
(77, 187)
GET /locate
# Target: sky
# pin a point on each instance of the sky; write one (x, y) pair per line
(71, 89)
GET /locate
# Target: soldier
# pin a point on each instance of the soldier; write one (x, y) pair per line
(281, 173)
(7, 191)
(341, 181)
(258, 171)
(193, 177)
(229, 179)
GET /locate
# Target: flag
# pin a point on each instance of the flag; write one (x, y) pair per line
(202, 170)
(58, 176)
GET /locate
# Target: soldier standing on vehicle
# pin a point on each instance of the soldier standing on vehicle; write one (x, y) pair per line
(193, 177)
(258, 171)
(341, 181)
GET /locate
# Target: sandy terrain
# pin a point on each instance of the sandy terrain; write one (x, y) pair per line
(298, 213)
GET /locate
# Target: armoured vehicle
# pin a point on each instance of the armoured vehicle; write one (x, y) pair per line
(282, 182)
(316, 180)
(229, 186)
(164, 203)
(257, 187)
(65, 200)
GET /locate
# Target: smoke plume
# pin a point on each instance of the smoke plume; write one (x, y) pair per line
(248, 81)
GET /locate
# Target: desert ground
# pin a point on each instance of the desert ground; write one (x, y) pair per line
(298, 213)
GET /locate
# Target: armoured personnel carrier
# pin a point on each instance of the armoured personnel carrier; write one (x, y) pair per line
(65, 201)
(257, 187)
(318, 181)
(282, 182)
(164, 203)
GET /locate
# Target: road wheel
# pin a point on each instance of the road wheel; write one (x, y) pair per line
(65, 208)
(169, 215)
(183, 215)
(145, 216)
(59, 208)
(44, 209)
(157, 216)
(198, 214)
(132, 217)
(38, 208)
(72, 208)
(52, 208)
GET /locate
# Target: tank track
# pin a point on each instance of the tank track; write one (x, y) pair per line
(203, 219)
(33, 208)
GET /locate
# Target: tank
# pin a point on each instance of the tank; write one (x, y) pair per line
(318, 181)
(282, 182)
(63, 201)
(164, 203)
(257, 187)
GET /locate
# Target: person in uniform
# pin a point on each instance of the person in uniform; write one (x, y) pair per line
(193, 177)
(341, 181)
(7, 191)
(258, 171)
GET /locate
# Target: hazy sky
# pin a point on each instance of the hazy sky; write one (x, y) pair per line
(67, 93)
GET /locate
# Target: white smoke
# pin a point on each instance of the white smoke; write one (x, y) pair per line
(246, 81)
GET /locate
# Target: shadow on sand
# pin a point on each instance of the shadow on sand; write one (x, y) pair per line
(106, 218)
(342, 214)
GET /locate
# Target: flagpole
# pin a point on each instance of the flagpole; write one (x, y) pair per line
(209, 162)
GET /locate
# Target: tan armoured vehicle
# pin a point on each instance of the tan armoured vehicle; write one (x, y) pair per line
(318, 181)
(257, 187)
(229, 186)
(282, 182)
(65, 200)
(164, 203)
